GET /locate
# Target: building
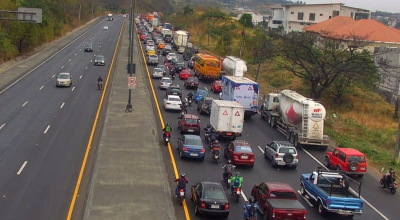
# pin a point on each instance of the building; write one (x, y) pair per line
(392, 21)
(381, 40)
(298, 16)
(256, 18)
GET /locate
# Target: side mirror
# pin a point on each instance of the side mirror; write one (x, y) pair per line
(268, 145)
(307, 178)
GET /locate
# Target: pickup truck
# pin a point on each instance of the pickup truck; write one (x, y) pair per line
(278, 201)
(330, 190)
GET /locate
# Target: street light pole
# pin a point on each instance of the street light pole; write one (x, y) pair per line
(131, 65)
(241, 41)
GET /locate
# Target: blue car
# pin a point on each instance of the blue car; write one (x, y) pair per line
(199, 94)
(191, 146)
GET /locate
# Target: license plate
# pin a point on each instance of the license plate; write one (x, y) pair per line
(238, 192)
(281, 163)
(190, 130)
(229, 181)
(194, 155)
(228, 133)
(216, 156)
(166, 139)
(182, 193)
(215, 206)
(192, 84)
(245, 157)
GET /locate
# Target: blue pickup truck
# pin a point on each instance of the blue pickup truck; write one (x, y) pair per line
(330, 190)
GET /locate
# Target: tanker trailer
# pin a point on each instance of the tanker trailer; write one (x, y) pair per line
(299, 118)
(234, 66)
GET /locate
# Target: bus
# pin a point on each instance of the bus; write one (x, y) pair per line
(207, 66)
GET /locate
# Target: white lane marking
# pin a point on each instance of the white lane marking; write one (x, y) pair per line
(62, 105)
(73, 88)
(80, 77)
(62, 67)
(205, 88)
(2, 126)
(98, 50)
(53, 76)
(48, 59)
(24, 103)
(86, 67)
(100, 46)
(80, 49)
(47, 129)
(260, 149)
(244, 196)
(309, 203)
(75, 54)
(94, 55)
(352, 190)
(22, 167)
(91, 60)
(41, 88)
(69, 60)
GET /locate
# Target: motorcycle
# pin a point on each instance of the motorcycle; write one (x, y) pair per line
(252, 213)
(189, 101)
(181, 196)
(237, 193)
(392, 186)
(173, 76)
(100, 85)
(167, 137)
(215, 150)
(227, 180)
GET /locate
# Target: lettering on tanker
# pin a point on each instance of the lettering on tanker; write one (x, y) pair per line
(317, 114)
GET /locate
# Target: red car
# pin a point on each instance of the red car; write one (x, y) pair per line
(216, 86)
(348, 160)
(184, 74)
(139, 31)
(142, 37)
(240, 153)
(189, 124)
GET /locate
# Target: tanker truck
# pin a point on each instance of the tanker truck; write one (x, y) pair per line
(233, 66)
(299, 118)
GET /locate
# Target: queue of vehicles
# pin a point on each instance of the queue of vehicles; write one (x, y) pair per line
(299, 118)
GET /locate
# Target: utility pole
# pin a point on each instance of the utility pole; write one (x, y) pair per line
(396, 148)
(241, 41)
(131, 65)
(80, 9)
(260, 57)
(92, 9)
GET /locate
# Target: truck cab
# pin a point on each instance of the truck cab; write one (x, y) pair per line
(270, 102)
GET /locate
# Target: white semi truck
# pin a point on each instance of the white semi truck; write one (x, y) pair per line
(110, 17)
(180, 39)
(299, 118)
(233, 66)
(227, 118)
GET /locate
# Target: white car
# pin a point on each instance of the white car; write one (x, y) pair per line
(172, 102)
(165, 83)
(158, 73)
(150, 47)
(170, 56)
(64, 79)
(105, 28)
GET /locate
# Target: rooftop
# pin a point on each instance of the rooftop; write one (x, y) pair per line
(341, 4)
(341, 26)
(350, 151)
(279, 186)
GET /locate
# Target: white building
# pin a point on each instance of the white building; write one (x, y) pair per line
(257, 18)
(298, 16)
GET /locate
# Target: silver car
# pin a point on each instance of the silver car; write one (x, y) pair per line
(161, 66)
(282, 153)
(165, 83)
(181, 50)
(157, 73)
(64, 79)
(171, 56)
(99, 60)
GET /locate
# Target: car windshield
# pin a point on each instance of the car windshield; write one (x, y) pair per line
(174, 99)
(154, 57)
(167, 47)
(63, 76)
(175, 90)
(277, 194)
(195, 142)
(99, 58)
(166, 80)
(191, 121)
(180, 64)
(218, 83)
(285, 150)
(192, 80)
(328, 180)
(357, 159)
(243, 149)
(208, 101)
(161, 67)
(201, 92)
(214, 194)
(88, 46)
(157, 70)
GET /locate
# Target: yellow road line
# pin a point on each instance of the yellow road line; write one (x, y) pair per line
(78, 183)
(162, 124)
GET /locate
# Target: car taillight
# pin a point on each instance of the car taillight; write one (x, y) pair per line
(226, 206)
(362, 168)
(305, 216)
(202, 150)
(235, 156)
(162, 83)
(168, 103)
(203, 205)
(276, 155)
(273, 214)
(185, 149)
(297, 156)
(255, 103)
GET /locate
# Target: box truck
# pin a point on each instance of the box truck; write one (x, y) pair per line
(299, 118)
(180, 39)
(226, 118)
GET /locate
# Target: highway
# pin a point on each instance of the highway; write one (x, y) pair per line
(378, 203)
(44, 130)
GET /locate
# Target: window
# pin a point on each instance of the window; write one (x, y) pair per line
(214, 194)
(285, 150)
(312, 17)
(292, 12)
(300, 16)
(244, 149)
(194, 142)
(359, 16)
(335, 13)
(342, 157)
(191, 121)
(277, 194)
(276, 22)
(321, 14)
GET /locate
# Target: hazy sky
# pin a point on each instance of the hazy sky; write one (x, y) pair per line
(372, 5)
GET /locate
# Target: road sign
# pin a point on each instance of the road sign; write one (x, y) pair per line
(131, 82)
(237, 113)
(225, 113)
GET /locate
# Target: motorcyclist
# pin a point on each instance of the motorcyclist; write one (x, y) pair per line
(236, 182)
(207, 132)
(190, 96)
(165, 62)
(99, 81)
(215, 146)
(181, 184)
(167, 128)
(228, 168)
(183, 108)
(213, 136)
(389, 176)
(250, 209)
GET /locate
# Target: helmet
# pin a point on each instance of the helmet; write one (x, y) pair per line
(237, 174)
(215, 142)
(208, 126)
(183, 175)
(251, 200)
(167, 124)
(229, 161)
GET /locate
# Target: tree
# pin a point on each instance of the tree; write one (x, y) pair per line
(246, 20)
(397, 25)
(320, 61)
(213, 17)
(187, 10)
(224, 38)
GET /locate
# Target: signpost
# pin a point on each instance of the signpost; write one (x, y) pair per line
(131, 82)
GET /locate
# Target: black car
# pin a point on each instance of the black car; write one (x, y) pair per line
(179, 66)
(192, 82)
(88, 48)
(174, 90)
(196, 49)
(209, 199)
(203, 105)
(166, 51)
(167, 39)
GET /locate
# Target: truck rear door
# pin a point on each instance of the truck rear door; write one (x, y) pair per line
(286, 214)
(237, 118)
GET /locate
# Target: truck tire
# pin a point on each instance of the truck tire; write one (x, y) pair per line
(296, 143)
(302, 190)
(327, 163)
(321, 209)
(269, 120)
(353, 166)
(273, 120)
(288, 158)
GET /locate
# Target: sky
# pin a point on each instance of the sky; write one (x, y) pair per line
(372, 5)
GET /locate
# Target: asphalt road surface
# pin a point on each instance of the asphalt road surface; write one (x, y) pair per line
(378, 203)
(44, 130)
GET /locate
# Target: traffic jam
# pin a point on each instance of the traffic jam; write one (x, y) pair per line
(242, 154)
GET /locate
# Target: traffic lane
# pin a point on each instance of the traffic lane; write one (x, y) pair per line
(85, 102)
